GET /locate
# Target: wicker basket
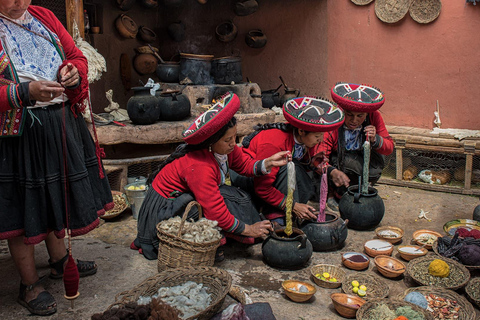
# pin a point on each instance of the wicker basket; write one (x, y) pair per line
(334, 271)
(425, 11)
(364, 311)
(418, 270)
(466, 311)
(217, 281)
(435, 249)
(473, 285)
(175, 252)
(362, 2)
(376, 288)
(118, 208)
(391, 14)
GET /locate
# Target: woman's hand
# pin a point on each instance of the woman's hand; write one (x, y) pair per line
(69, 76)
(279, 159)
(44, 90)
(339, 178)
(258, 229)
(371, 133)
(304, 211)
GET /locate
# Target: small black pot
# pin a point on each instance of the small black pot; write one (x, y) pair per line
(174, 106)
(270, 98)
(256, 39)
(287, 252)
(363, 211)
(168, 71)
(142, 107)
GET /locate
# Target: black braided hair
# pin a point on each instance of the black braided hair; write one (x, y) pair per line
(284, 126)
(185, 148)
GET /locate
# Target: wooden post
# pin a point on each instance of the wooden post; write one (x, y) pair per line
(399, 146)
(74, 11)
(469, 147)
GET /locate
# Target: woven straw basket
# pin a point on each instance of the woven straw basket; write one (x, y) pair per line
(473, 285)
(364, 311)
(175, 252)
(425, 11)
(361, 2)
(466, 311)
(333, 271)
(377, 289)
(391, 11)
(435, 249)
(118, 208)
(217, 281)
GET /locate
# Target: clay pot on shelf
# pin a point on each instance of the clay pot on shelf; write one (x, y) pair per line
(289, 94)
(176, 31)
(226, 31)
(174, 106)
(145, 63)
(364, 211)
(227, 70)
(125, 5)
(245, 7)
(195, 68)
(142, 107)
(168, 71)
(328, 235)
(147, 34)
(256, 38)
(287, 252)
(126, 26)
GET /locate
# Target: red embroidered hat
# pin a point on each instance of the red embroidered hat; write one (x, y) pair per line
(313, 114)
(212, 120)
(357, 97)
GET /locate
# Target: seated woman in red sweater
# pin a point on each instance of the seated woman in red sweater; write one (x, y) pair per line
(344, 147)
(199, 170)
(308, 118)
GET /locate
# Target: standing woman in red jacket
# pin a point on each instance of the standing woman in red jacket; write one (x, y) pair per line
(47, 155)
(344, 146)
(200, 170)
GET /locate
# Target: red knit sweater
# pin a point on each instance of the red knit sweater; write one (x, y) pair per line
(198, 172)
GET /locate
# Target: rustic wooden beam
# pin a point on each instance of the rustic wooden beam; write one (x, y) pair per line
(74, 11)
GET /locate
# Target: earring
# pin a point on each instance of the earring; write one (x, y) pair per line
(210, 148)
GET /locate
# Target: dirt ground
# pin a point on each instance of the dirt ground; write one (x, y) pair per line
(121, 268)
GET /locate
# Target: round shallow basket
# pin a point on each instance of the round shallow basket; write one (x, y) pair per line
(435, 249)
(425, 11)
(333, 271)
(362, 2)
(217, 282)
(376, 288)
(389, 13)
(365, 310)
(121, 203)
(418, 270)
(473, 291)
(175, 252)
(466, 311)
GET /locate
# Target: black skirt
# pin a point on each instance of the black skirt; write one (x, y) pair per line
(33, 188)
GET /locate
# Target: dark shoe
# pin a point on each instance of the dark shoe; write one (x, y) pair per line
(43, 305)
(332, 204)
(85, 268)
(219, 255)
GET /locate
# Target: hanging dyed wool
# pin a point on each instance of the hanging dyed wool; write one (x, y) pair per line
(289, 201)
(323, 195)
(366, 165)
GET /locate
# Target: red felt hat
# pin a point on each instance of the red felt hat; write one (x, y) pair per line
(313, 114)
(357, 97)
(212, 120)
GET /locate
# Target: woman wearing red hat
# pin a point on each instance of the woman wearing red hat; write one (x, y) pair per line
(199, 170)
(308, 118)
(344, 146)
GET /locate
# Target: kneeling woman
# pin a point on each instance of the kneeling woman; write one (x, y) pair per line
(198, 170)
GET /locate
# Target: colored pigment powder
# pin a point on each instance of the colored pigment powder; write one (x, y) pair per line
(357, 258)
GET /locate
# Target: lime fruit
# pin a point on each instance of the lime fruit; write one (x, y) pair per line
(361, 293)
(326, 275)
(355, 289)
(318, 275)
(333, 279)
(362, 287)
(355, 283)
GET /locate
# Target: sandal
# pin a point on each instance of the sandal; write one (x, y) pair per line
(43, 305)
(219, 255)
(85, 268)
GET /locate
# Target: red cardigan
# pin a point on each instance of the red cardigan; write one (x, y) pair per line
(263, 145)
(386, 145)
(198, 172)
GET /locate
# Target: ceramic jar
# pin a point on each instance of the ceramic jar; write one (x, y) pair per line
(363, 211)
(328, 235)
(147, 34)
(174, 106)
(142, 107)
(168, 71)
(195, 68)
(125, 5)
(126, 27)
(227, 70)
(256, 39)
(145, 63)
(271, 98)
(287, 252)
(226, 31)
(289, 94)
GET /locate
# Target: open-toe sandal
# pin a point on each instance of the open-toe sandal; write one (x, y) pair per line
(85, 268)
(219, 255)
(43, 305)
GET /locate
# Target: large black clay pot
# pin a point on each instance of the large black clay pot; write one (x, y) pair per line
(168, 71)
(142, 107)
(363, 211)
(195, 68)
(328, 235)
(227, 70)
(287, 252)
(174, 106)
(476, 213)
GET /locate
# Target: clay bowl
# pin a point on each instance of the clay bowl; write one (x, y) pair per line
(424, 236)
(389, 267)
(292, 290)
(390, 234)
(355, 265)
(346, 304)
(378, 247)
(126, 26)
(410, 252)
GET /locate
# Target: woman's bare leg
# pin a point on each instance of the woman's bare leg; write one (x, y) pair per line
(56, 248)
